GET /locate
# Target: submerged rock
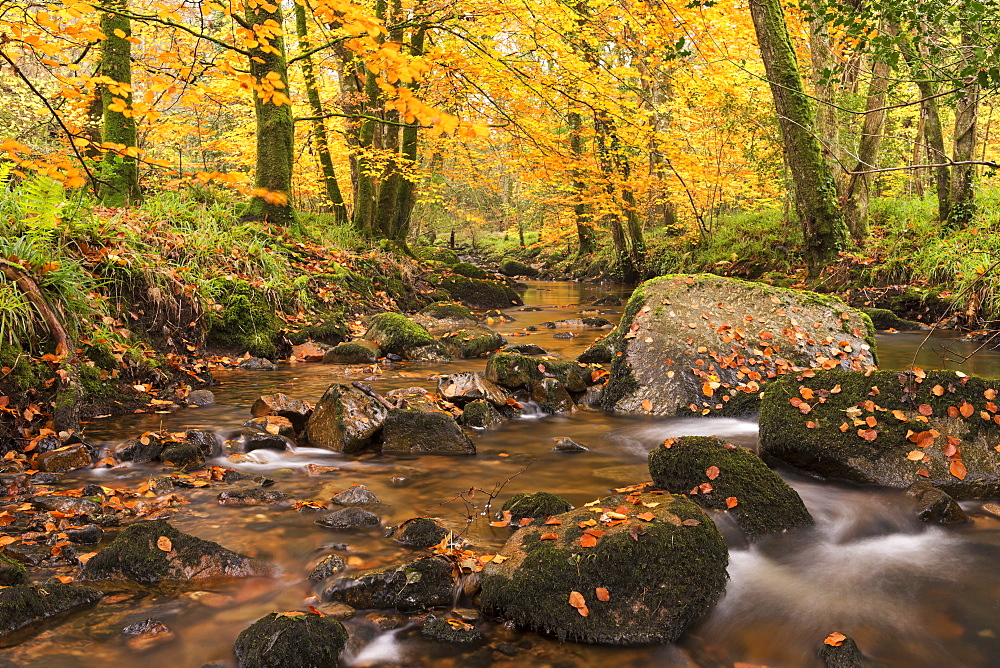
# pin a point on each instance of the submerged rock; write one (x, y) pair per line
(345, 419)
(551, 396)
(935, 506)
(329, 565)
(250, 497)
(25, 608)
(68, 505)
(413, 431)
(412, 587)
(349, 518)
(12, 572)
(288, 640)
(631, 581)
(722, 476)
(419, 532)
(565, 444)
(703, 343)
(887, 428)
(536, 505)
(355, 495)
(153, 552)
(146, 634)
(258, 364)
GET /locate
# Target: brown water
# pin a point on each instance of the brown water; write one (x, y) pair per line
(911, 595)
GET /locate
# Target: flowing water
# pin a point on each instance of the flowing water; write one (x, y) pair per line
(911, 595)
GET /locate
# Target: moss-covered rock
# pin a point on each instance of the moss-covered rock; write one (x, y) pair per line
(419, 533)
(461, 388)
(477, 342)
(886, 319)
(352, 352)
(551, 396)
(480, 293)
(514, 268)
(470, 270)
(331, 327)
(887, 428)
(536, 505)
(246, 322)
(152, 552)
(516, 371)
(419, 432)
(692, 343)
(761, 501)
(24, 608)
(282, 640)
(449, 314)
(481, 415)
(451, 631)
(600, 351)
(445, 255)
(24, 374)
(344, 419)
(638, 580)
(397, 334)
(846, 654)
(12, 572)
(412, 587)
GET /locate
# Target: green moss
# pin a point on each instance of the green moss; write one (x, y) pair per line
(410, 587)
(481, 415)
(445, 255)
(24, 374)
(621, 382)
(516, 371)
(332, 328)
(515, 268)
(351, 353)
(479, 293)
(599, 352)
(538, 505)
(470, 270)
(442, 631)
(885, 319)
(24, 607)
(280, 641)
(420, 532)
(246, 323)
(472, 342)
(12, 572)
(765, 503)
(395, 333)
(447, 311)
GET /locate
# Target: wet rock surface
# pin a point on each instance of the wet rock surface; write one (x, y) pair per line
(356, 495)
(413, 431)
(412, 587)
(24, 608)
(349, 518)
(287, 640)
(345, 419)
(419, 532)
(460, 388)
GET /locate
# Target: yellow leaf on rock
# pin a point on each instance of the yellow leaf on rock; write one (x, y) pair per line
(164, 543)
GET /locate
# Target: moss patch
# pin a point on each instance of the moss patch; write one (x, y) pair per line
(537, 505)
(479, 293)
(283, 641)
(395, 333)
(516, 371)
(24, 608)
(447, 311)
(472, 342)
(470, 270)
(247, 323)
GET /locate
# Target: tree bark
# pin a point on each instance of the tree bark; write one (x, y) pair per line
(120, 173)
(857, 192)
(271, 200)
(827, 126)
(963, 177)
(330, 183)
(824, 231)
(581, 212)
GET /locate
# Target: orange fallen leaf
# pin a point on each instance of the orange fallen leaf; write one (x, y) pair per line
(548, 536)
(871, 421)
(899, 415)
(646, 517)
(732, 502)
(602, 594)
(587, 540)
(810, 424)
(990, 393)
(576, 600)
(925, 409)
(966, 409)
(691, 522)
(583, 610)
(712, 472)
(868, 434)
(806, 393)
(937, 391)
(553, 520)
(835, 639)
(164, 543)
(952, 411)
(957, 469)
(924, 472)
(915, 455)
(647, 405)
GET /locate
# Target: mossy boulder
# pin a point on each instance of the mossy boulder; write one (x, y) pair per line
(352, 352)
(329, 328)
(703, 343)
(445, 255)
(344, 419)
(397, 334)
(516, 372)
(246, 322)
(440, 315)
(639, 580)
(25, 609)
(476, 342)
(536, 505)
(419, 533)
(551, 396)
(600, 351)
(153, 552)
(286, 640)
(883, 319)
(12, 572)
(470, 270)
(462, 388)
(448, 631)
(887, 428)
(481, 415)
(514, 268)
(717, 475)
(412, 587)
(480, 293)
(418, 432)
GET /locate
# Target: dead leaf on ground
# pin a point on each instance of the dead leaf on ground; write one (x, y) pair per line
(164, 543)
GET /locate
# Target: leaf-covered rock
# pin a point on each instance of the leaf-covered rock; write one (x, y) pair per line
(703, 343)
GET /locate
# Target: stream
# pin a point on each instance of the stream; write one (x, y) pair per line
(910, 594)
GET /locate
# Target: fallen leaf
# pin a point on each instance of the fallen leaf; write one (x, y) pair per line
(806, 393)
(868, 434)
(957, 469)
(925, 409)
(966, 409)
(602, 594)
(899, 415)
(990, 393)
(924, 472)
(164, 543)
(937, 391)
(915, 455)
(835, 639)
(553, 520)
(646, 517)
(548, 536)
(587, 540)
(647, 405)
(576, 600)
(691, 522)
(712, 472)
(732, 502)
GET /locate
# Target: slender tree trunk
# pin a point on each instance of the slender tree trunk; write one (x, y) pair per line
(271, 200)
(827, 125)
(626, 231)
(857, 193)
(581, 212)
(963, 177)
(120, 173)
(333, 193)
(824, 231)
(407, 188)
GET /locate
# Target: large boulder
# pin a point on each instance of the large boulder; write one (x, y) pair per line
(703, 343)
(419, 432)
(446, 315)
(480, 293)
(887, 428)
(344, 419)
(722, 476)
(295, 410)
(417, 585)
(516, 371)
(632, 569)
(535, 505)
(462, 388)
(514, 268)
(474, 342)
(289, 640)
(397, 334)
(481, 415)
(24, 608)
(153, 552)
(358, 351)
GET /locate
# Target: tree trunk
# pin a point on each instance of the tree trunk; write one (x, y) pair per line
(333, 193)
(120, 173)
(271, 200)
(581, 212)
(407, 188)
(963, 177)
(824, 231)
(857, 193)
(626, 232)
(827, 127)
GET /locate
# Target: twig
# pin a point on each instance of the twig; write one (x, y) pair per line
(373, 394)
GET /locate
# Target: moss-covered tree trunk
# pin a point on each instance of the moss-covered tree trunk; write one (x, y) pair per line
(857, 193)
(824, 87)
(119, 185)
(626, 232)
(271, 200)
(407, 187)
(581, 212)
(330, 183)
(824, 231)
(963, 177)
